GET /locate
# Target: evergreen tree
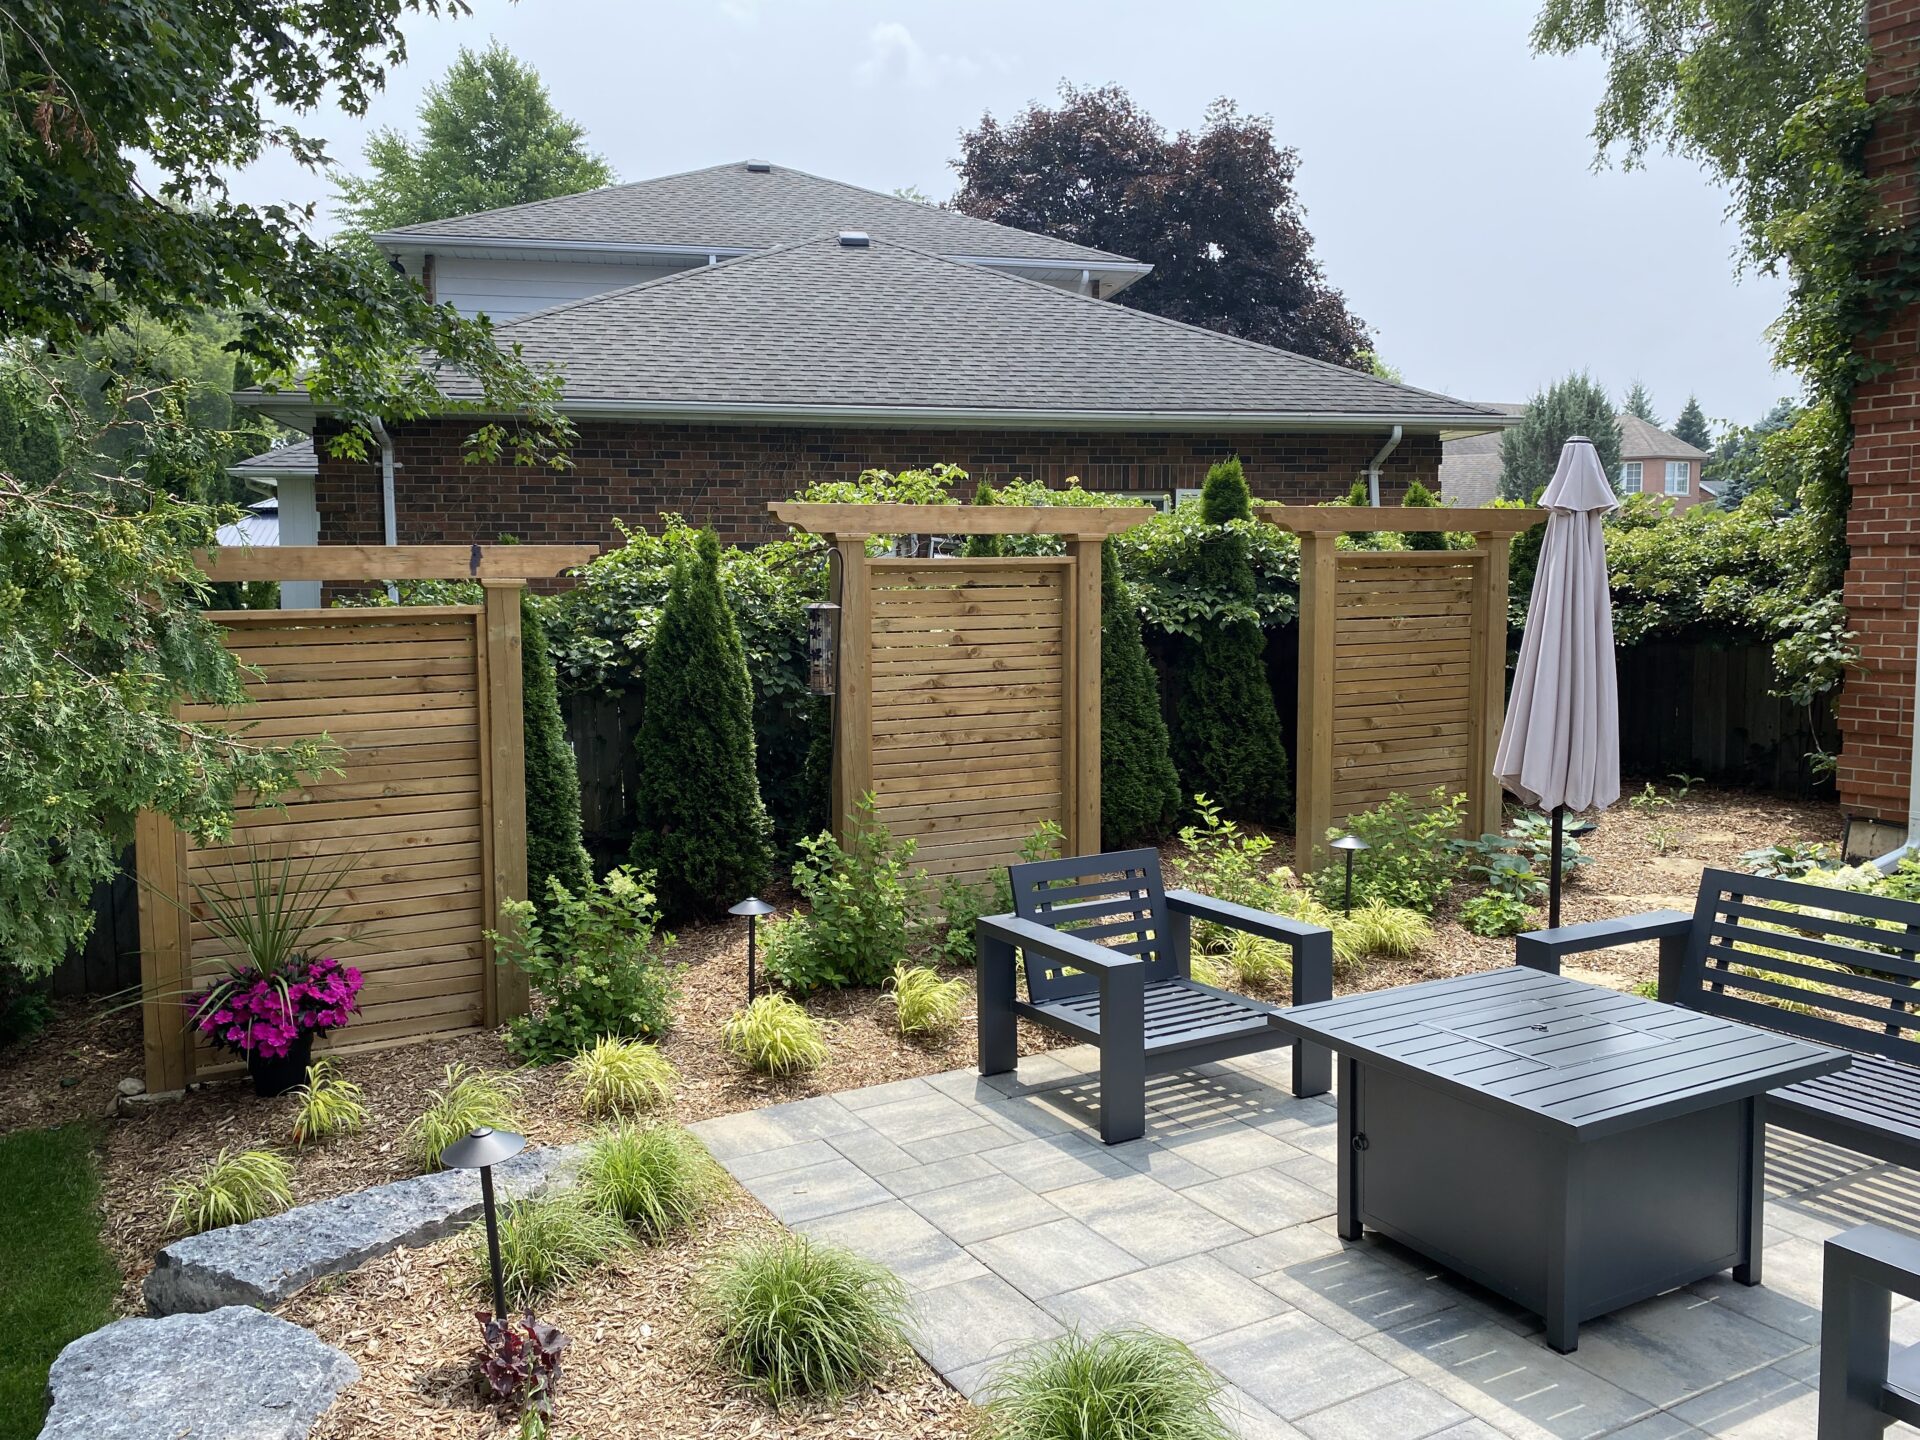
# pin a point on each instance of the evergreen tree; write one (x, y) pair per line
(1530, 450)
(1419, 496)
(1139, 788)
(1639, 402)
(1225, 732)
(702, 828)
(1692, 426)
(554, 848)
(489, 136)
(979, 546)
(30, 446)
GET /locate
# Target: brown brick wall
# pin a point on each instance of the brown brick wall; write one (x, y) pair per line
(1883, 528)
(724, 476)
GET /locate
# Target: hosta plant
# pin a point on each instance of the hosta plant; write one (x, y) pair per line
(328, 1104)
(656, 1179)
(465, 1100)
(231, 1190)
(775, 1035)
(924, 1003)
(622, 1077)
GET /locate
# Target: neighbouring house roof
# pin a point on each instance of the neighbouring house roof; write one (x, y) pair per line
(1641, 441)
(885, 333)
(739, 207)
(294, 459)
(1470, 466)
(259, 525)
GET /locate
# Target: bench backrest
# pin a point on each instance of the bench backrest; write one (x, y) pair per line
(1113, 900)
(1831, 966)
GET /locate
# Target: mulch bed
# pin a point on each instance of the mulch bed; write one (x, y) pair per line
(638, 1364)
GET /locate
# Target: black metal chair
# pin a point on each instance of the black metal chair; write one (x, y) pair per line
(1866, 1382)
(1108, 955)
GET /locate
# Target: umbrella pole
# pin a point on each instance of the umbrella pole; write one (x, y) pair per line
(1553, 884)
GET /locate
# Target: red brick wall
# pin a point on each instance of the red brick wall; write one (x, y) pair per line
(1883, 528)
(724, 476)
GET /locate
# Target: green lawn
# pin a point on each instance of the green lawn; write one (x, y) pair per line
(56, 1279)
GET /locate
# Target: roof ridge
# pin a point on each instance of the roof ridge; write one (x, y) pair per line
(687, 274)
(420, 225)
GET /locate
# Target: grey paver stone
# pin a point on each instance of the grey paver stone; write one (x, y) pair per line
(974, 1320)
(1145, 1218)
(1403, 1410)
(981, 1209)
(902, 1240)
(1676, 1346)
(815, 1190)
(1262, 1200)
(1294, 1365)
(1190, 1299)
(1047, 1259)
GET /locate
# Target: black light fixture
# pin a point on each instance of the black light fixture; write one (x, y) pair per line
(823, 646)
(1351, 845)
(481, 1149)
(753, 907)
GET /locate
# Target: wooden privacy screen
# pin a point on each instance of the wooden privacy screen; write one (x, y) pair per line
(1403, 658)
(968, 695)
(424, 703)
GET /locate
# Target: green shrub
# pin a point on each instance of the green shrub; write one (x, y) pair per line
(801, 1319)
(1378, 928)
(864, 904)
(1225, 732)
(1410, 862)
(1123, 1385)
(702, 828)
(1496, 914)
(595, 958)
(984, 546)
(554, 849)
(655, 1179)
(923, 1003)
(962, 904)
(1419, 496)
(465, 1100)
(775, 1035)
(231, 1190)
(622, 1077)
(1139, 788)
(328, 1104)
(544, 1244)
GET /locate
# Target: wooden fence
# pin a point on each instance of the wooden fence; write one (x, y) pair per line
(1704, 708)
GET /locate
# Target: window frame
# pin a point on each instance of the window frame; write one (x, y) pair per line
(1632, 476)
(1685, 477)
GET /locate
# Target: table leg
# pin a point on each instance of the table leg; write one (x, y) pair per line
(1347, 1219)
(1562, 1315)
(1753, 1190)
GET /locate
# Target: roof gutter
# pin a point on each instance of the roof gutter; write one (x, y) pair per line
(1373, 465)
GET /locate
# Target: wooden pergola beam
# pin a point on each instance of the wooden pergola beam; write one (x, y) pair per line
(1398, 519)
(392, 562)
(1076, 522)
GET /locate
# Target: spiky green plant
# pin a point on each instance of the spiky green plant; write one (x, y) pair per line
(656, 1178)
(1123, 1385)
(1257, 962)
(544, 1244)
(775, 1035)
(622, 1077)
(328, 1104)
(231, 1190)
(798, 1318)
(554, 848)
(1377, 928)
(924, 1003)
(465, 1099)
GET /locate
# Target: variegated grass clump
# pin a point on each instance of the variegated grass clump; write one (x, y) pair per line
(329, 1104)
(1379, 929)
(622, 1077)
(231, 1190)
(1123, 1385)
(465, 1100)
(775, 1035)
(923, 1002)
(544, 1243)
(656, 1179)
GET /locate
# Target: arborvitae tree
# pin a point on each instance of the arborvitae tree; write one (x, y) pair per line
(702, 828)
(1639, 402)
(1359, 493)
(30, 446)
(984, 545)
(1419, 496)
(554, 848)
(1691, 426)
(1139, 788)
(1530, 451)
(1225, 732)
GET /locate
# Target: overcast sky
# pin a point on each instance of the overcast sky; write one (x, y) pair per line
(1446, 172)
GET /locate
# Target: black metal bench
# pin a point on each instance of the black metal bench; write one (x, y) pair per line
(1865, 1382)
(1717, 960)
(1108, 954)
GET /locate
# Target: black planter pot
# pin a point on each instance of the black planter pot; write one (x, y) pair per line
(275, 1075)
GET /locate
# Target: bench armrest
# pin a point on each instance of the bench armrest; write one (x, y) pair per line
(1061, 945)
(1545, 949)
(1881, 1257)
(1312, 945)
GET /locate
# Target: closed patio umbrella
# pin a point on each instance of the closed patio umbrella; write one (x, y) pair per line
(1561, 744)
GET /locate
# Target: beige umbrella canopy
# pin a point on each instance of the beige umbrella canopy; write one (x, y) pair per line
(1560, 747)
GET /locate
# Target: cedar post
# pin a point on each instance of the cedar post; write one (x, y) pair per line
(1488, 668)
(1313, 736)
(1082, 696)
(853, 689)
(165, 970)
(503, 743)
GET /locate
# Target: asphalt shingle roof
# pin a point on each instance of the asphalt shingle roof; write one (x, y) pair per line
(731, 207)
(888, 328)
(1641, 441)
(295, 458)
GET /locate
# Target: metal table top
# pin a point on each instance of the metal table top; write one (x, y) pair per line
(1567, 1056)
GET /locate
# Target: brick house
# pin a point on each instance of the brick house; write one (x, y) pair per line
(1652, 461)
(731, 335)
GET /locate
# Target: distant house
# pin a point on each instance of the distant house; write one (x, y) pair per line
(729, 336)
(1652, 462)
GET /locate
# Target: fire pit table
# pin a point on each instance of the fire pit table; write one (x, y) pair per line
(1569, 1147)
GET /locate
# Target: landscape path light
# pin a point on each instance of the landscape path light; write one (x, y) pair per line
(482, 1148)
(753, 907)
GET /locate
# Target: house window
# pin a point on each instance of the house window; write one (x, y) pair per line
(1678, 473)
(1186, 493)
(1630, 477)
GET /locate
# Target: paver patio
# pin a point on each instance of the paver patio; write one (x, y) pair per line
(997, 1206)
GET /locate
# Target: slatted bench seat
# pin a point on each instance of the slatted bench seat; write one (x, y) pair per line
(1827, 965)
(1108, 960)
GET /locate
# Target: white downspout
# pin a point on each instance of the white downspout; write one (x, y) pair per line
(1887, 862)
(386, 495)
(1373, 465)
